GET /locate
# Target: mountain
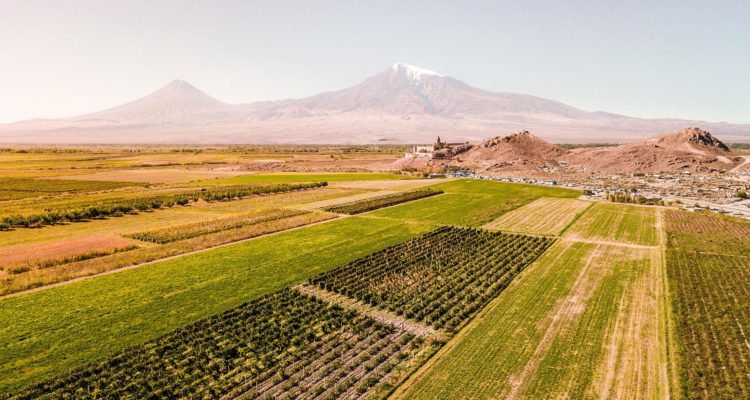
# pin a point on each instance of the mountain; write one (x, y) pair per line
(177, 103)
(402, 104)
(691, 149)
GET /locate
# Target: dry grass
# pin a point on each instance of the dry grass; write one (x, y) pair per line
(156, 175)
(41, 277)
(17, 259)
(546, 216)
(395, 185)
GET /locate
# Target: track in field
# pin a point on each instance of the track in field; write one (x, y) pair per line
(616, 223)
(545, 216)
(583, 321)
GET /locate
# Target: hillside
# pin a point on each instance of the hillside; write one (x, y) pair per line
(691, 149)
(517, 152)
(401, 104)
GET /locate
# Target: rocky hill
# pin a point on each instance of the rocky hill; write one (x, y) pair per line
(522, 153)
(517, 152)
(691, 149)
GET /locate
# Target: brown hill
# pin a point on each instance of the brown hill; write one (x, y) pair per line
(691, 149)
(520, 151)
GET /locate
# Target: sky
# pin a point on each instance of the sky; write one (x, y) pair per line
(681, 59)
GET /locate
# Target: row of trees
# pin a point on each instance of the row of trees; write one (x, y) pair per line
(361, 206)
(188, 231)
(118, 207)
(441, 278)
(283, 345)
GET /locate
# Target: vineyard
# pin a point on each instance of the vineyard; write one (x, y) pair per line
(709, 275)
(441, 278)
(283, 345)
(188, 231)
(117, 207)
(713, 323)
(707, 232)
(365, 205)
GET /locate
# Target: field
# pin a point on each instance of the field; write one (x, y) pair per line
(250, 352)
(545, 216)
(581, 322)
(21, 188)
(361, 288)
(610, 222)
(19, 259)
(471, 202)
(441, 279)
(374, 203)
(308, 177)
(709, 275)
(47, 332)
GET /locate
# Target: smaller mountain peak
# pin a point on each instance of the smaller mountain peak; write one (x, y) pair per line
(412, 72)
(179, 84)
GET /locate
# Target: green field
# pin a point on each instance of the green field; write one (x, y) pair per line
(50, 331)
(709, 275)
(616, 223)
(471, 202)
(548, 334)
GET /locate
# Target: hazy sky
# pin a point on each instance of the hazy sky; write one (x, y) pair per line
(686, 59)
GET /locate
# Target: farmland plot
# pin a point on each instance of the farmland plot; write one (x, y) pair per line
(581, 322)
(365, 205)
(441, 278)
(546, 216)
(707, 233)
(616, 223)
(471, 202)
(283, 345)
(19, 259)
(48, 332)
(710, 302)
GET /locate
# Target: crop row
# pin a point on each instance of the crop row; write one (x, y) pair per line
(116, 207)
(365, 205)
(187, 231)
(710, 294)
(441, 278)
(59, 185)
(283, 345)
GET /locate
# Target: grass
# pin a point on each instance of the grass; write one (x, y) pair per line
(21, 188)
(95, 265)
(616, 223)
(707, 233)
(547, 335)
(471, 202)
(293, 177)
(708, 270)
(546, 216)
(50, 331)
(198, 212)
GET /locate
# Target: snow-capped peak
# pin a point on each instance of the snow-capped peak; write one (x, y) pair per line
(414, 74)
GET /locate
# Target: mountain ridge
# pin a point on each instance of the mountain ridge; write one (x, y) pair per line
(401, 104)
